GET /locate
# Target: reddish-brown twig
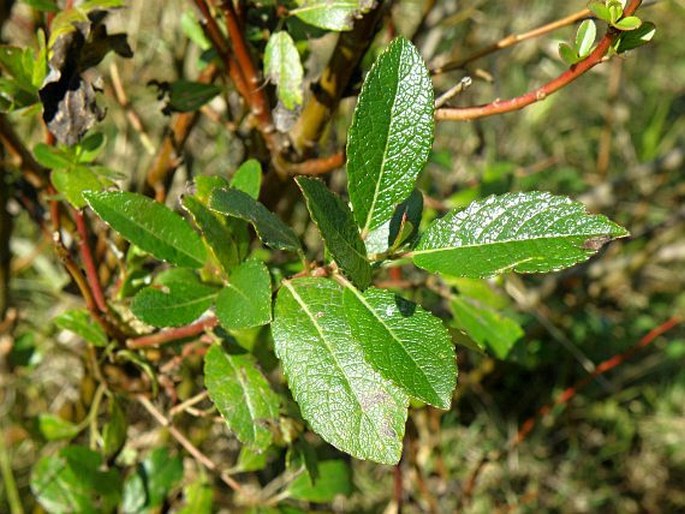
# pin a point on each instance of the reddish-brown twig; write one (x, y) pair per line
(607, 365)
(87, 260)
(542, 92)
(173, 334)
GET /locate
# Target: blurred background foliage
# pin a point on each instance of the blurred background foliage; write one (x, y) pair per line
(615, 139)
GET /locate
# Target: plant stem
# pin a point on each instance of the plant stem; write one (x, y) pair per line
(13, 498)
(88, 262)
(173, 334)
(511, 40)
(542, 92)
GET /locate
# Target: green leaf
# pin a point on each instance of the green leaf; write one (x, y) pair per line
(251, 460)
(396, 107)
(568, 54)
(248, 178)
(628, 23)
(114, 431)
(331, 14)
(72, 182)
(81, 322)
(340, 395)
(600, 10)
(91, 147)
(335, 479)
(42, 5)
(150, 225)
(242, 395)
(282, 67)
(585, 38)
(51, 157)
(177, 298)
(339, 232)
(53, 427)
(218, 236)
(399, 230)
(245, 302)
(635, 38)
(205, 184)
(404, 343)
(187, 96)
(525, 232)
(72, 481)
(199, 497)
(270, 229)
(192, 28)
(487, 327)
(152, 481)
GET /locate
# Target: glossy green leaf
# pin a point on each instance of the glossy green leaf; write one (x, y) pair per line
(81, 322)
(635, 38)
(331, 14)
(568, 54)
(487, 327)
(177, 298)
(628, 23)
(391, 134)
(242, 395)
(600, 10)
(404, 343)
(585, 37)
(205, 184)
(150, 225)
(270, 229)
(188, 96)
(218, 236)
(72, 182)
(340, 395)
(53, 427)
(335, 478)
(282, 67)
(245, 302)
(248, 178)
(399, 230)
(72, 481)
(337, 227)
(525, 232)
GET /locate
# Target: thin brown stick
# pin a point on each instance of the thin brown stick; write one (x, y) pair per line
(131, 114)
(318, 166)
(514, 104)
(189, 447)
(173, 334)
(511, 40)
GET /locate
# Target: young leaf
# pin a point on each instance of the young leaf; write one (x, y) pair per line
(340, 395)
(525, 232)
(150, 225)
(81, 322)
(184, 300)
(399, 230)
(404, 343)
(270, 229)
(72, 182)
(51, 157)
(391, 134)
(245, 302)
(635, 38)
(339, 232)
(198, 496)
(242, 395)
(53, 427)
(218, 236)
(628, 23)
(568, 54)
(71, 481)
(585, 37)
(282, 66)
(489, 328)
(331, 14)
(600, 10)
(248, 178)
(335, 478)
(114, 431)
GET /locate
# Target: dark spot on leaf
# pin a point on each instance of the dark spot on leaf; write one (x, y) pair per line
(405, 307)
(595, 243)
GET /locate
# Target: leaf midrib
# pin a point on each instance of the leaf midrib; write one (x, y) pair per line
(310, 315)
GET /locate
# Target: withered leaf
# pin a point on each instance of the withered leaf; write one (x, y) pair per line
(68, 92)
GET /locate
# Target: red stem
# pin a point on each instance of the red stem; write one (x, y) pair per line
(519, 102)
(601, 368)
(88, 262)
(173, 334)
